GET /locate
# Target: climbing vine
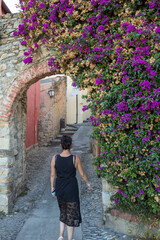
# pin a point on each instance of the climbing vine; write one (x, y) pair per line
(112, 47)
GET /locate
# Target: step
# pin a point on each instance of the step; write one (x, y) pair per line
(56, 140)
(72, 126)
(71, 129)
(68, 132)
(59, 136)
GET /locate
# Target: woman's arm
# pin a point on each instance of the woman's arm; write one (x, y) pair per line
(82, 172)
(53, 173)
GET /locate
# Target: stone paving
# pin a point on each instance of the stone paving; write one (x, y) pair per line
(91, 207)
(38, 170)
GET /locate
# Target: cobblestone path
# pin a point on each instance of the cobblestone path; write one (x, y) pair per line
(91, 207)
(38, 171)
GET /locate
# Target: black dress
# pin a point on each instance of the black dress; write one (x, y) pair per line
(67, 191)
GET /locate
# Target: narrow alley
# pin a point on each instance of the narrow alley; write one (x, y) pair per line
(36, 215)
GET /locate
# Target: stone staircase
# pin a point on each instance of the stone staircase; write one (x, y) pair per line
(69, 130)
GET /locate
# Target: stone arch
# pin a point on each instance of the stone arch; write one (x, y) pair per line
(12, 134)
(15, 79)
(21, 83)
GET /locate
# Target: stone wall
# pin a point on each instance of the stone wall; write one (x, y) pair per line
(45, 121)
(59, 102)
(118, 220)
(51, 109)
(15, 79)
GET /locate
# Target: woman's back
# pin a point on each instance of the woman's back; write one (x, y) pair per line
(64, 166)
(66, 181)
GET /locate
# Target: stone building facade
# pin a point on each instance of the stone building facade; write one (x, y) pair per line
(52, 109)
(15, 79)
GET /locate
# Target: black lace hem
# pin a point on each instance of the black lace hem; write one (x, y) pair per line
(70, 213)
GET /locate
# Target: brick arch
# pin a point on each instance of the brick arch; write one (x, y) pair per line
(21, 82)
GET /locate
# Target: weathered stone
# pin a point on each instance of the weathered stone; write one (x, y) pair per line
(16, 24)
(107, 187)
(5, 172)
(5, 161)
(4, 143)
(3, 56)
(2, 67)
(15, 79)
(6, 180)
(6, 188)
(3, 199)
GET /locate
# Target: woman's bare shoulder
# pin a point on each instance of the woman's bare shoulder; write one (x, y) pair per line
(53, 159)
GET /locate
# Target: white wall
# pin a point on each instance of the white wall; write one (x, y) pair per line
(71, 104)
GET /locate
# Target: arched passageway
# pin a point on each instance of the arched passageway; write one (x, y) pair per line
(15, 79)
(13, 132)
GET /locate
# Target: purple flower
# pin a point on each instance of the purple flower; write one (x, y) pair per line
(28, 60)
(23, 43)
(26, 54)
(141, 192)
(36, 45)
(119, 191)
(98, 81)
(116, 201)
(42, 5)
(124, 194)
(85, 107)
(46, 26)
(157, 30)
(15, 33)
(101, 28)
(145, 84)
(84, 35)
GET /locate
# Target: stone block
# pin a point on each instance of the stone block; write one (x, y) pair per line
(3, 56)
(6, 188)
(107, 187)
(5, 161)
(5, 180)
(3, 67)
(5, 171)
(107, 203)
(5, 143)
(4, 124)
(4, 131)
(126, 226)
(3, 200)
(16, 24)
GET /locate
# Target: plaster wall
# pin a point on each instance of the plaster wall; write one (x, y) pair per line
(75, 103)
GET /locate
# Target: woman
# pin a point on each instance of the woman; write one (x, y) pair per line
(64, 166)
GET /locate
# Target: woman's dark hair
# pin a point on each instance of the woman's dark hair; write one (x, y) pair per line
(66, 142)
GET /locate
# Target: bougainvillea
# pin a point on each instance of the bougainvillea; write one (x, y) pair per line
(112, 47)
